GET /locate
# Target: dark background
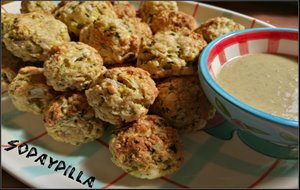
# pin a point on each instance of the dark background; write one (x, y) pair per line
(277, 13)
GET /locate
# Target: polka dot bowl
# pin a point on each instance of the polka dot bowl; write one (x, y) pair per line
(268, 134)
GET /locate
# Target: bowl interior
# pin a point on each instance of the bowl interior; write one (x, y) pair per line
(283, 41)
(258, 40)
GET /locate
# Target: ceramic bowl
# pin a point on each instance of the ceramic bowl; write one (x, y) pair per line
(266, 133)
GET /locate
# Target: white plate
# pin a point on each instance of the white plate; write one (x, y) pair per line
(209, 162)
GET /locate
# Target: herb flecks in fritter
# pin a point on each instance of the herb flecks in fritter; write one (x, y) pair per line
(38, 6)
(147, 148)
(78, 14)
(70, 119)
(215, 27)
(173, 20)
(122, 94)
(167, 54)
(73, 66)
(117, 40)
(29, 91)
(150, 9)
(183, 103)
(31, 36)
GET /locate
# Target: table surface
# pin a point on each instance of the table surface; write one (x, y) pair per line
(279, 14)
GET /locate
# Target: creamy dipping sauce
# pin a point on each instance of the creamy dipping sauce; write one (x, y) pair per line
(268, 82)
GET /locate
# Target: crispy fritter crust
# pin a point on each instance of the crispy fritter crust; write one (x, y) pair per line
(124, 9)
(215, 27)
(78, 14)
(183, 103)
(38, 6)
(150, 9)
(122, 94)
(167, 53)
(29, 91)
(116, 39)
(147, 148)
(172, 20)
(30, 36)
(73, 66)
(70, 119)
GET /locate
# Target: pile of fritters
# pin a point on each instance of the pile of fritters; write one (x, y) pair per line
(89, 65)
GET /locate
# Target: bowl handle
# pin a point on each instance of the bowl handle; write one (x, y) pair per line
(268, 148)
(224, 130)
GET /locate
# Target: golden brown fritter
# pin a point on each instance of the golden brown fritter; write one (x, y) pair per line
(172, 20)
(9, 67)
(30, 36)
(70, 119)
(148, 148)
(150, 9)
(116, 39)
(7, 21)
(78, 14)
(182, 102)
(167, 53)
(122, 94)
(215, 27)
(73, 66)
(124, 9)
(143, 29)
(38, 6)
(29, 91)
